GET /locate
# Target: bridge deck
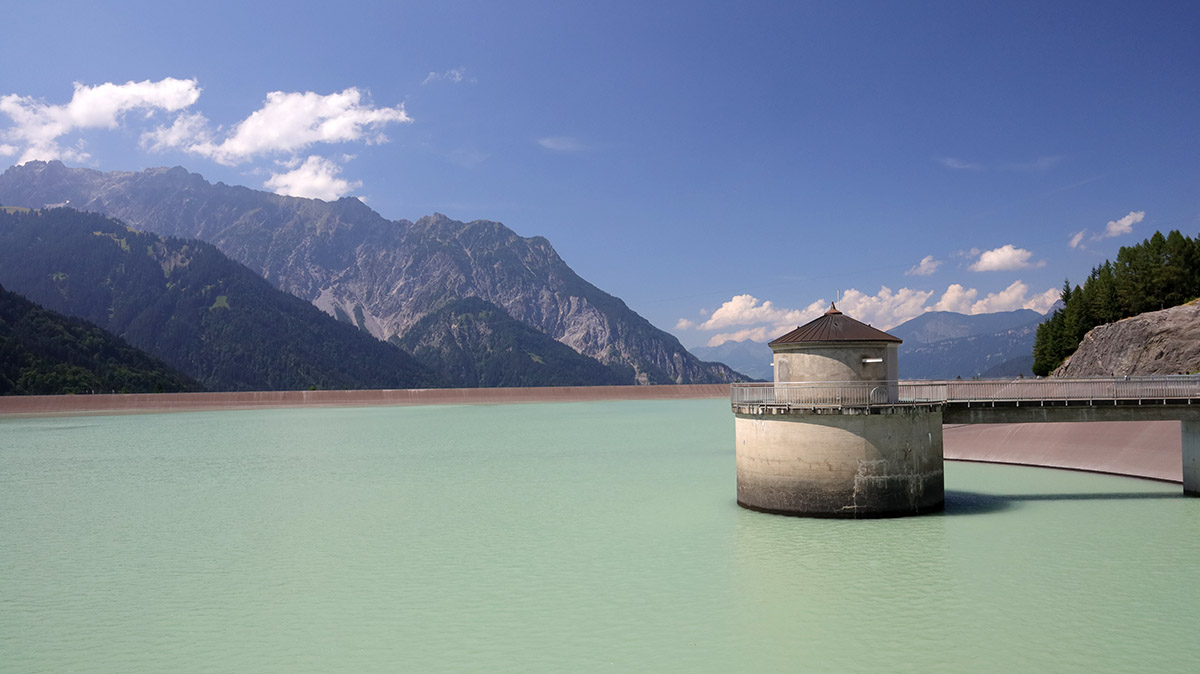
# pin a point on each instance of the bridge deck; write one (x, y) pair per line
(991, 393)
(1000, 402)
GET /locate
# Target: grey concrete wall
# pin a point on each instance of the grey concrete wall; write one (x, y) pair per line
(1190, 440)
(835, 361)
(851, 464)
(1147, 449)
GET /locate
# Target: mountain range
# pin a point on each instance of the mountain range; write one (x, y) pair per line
(189, 305)
(382, 276)
(945, 344)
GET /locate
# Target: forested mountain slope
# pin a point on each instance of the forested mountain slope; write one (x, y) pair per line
(186, 303)
(43, 352)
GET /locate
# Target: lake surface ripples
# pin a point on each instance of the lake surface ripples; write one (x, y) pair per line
(572, 537)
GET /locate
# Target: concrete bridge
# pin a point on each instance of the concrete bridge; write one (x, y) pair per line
(999, 402)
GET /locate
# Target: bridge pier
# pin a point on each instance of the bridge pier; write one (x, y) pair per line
(1190, 432)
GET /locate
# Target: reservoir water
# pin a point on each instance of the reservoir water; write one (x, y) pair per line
(572, 537)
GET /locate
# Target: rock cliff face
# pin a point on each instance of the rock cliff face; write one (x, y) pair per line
(474, 343)
(381, 275)
(1157, 342)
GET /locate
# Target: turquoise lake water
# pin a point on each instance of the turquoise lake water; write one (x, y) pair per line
(571, 537)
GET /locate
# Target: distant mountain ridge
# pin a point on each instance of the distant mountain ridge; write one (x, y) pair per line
(383, 276)
(934, 326)
(946, 345)
(186, 303)
(751, 358)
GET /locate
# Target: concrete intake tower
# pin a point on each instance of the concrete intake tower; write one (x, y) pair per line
(829, 437)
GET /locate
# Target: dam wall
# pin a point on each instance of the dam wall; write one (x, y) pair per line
(1149, 449)
(134, 403)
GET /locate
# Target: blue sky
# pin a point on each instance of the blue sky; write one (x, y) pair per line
(725, 168)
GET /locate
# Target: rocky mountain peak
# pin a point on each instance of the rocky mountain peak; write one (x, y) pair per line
(383, 276)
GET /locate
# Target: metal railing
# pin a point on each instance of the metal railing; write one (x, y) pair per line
(817, 394)
(869, 393)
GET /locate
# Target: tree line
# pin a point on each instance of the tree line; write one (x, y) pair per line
(1160, 272)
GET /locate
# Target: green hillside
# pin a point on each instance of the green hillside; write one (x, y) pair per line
(43, 352)
(186, 303)
(473, 342)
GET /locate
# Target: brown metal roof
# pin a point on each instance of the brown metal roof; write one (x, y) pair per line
(834, 326)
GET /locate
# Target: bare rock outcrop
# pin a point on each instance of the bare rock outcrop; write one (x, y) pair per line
(1153, 343)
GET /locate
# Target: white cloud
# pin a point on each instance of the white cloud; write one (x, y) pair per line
(759, 334)
(925, 267)
(957, 299)
(885, 309)
(1005, 258)
(38, 126)
(186, 129)
(761, 321)
(958, 164)
(316, 178)
(748, 310)
(1123, 225)
(454, 75)
(1114, 228)
(1042, 302)
(8, 150)
(561, 144)
(287, 122)
(1015, 296)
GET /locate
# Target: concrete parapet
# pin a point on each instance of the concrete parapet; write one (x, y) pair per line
(849, 462)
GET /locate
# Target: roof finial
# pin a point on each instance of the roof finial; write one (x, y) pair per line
(832, 309)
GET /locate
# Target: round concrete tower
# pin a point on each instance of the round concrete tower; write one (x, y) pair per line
(831, 437)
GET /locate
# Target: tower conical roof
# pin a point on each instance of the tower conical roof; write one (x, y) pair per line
(834, 326)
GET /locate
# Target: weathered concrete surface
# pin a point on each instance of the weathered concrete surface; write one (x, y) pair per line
(851, 464)
(185, 402)
(1148, 449)
(835, 361)
(1190, 439)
